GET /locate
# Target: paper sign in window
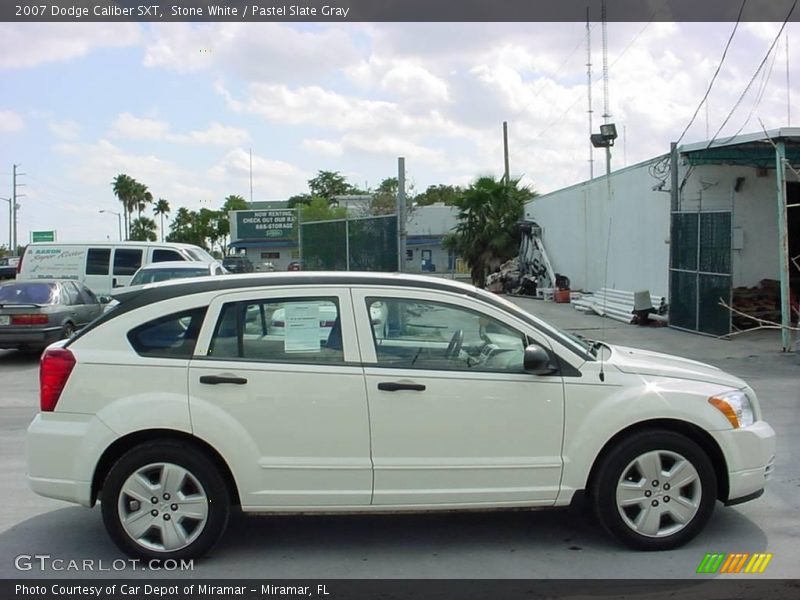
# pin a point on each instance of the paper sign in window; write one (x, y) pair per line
(302, 328)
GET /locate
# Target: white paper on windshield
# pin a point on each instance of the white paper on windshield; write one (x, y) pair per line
(302, 328)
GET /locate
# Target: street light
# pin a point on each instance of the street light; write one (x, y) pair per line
(119, 220)
(605, 139)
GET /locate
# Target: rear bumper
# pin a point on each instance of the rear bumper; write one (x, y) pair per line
(19, 337)
(62, 452)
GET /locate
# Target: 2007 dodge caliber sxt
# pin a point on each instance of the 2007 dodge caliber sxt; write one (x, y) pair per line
(372, 392)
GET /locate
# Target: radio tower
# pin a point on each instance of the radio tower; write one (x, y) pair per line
(606, 114)
(589, 89)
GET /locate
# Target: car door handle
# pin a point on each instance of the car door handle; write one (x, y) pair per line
(394, 386)
(216, 379)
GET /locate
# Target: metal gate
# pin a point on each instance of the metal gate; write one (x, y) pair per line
(360, 244)
(700, 271)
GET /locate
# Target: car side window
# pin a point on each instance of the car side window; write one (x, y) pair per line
(163, 255)
(296, 330)
(89, 296)
(127, 261)
(412, 334)
(73, 293)
(97, 261)
(171, 336)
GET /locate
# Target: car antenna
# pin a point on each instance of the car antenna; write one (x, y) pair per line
(605, 281)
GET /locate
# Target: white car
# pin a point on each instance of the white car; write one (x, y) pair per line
(173, 410)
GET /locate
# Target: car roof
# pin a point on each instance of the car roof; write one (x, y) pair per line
(178, 264)
(31, 281)
(133, 298)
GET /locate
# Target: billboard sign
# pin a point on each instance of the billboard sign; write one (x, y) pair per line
(262, 224)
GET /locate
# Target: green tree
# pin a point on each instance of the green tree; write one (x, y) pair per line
(125, 190)
(232, 202)
(320, 210)
(184, 228)
(328, 184)
(447, 194)
(143, 229)
(161, 209)
(487, 233)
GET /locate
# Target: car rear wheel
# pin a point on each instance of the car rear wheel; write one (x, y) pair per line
(165, 500)
(655, 490)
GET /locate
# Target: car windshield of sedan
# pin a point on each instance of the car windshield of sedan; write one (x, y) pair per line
(28, 293)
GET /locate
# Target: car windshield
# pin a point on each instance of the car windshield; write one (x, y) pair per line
(153, 275)
(199, 254)
(566, 338)
(28, 293)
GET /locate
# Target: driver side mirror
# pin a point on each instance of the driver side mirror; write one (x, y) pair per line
(104, 299)
(537, 361)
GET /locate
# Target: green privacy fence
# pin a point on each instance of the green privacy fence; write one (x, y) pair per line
(700, 271)
(361, 244)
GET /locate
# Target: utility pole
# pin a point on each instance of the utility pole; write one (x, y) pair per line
(505, 151)
(14, 207)
(401, 214)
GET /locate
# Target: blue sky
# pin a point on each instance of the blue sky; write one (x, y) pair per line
(179, 106)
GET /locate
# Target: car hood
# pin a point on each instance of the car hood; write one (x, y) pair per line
(645, 362)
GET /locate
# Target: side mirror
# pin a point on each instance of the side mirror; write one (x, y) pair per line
(104, 299)
(537, 361)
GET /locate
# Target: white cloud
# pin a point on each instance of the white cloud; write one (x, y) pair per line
(10, 122)
(325, 147)
(128, 126)
(253, 51)
(404, 79)
(272, 179)
(24, 45)
(65, 130)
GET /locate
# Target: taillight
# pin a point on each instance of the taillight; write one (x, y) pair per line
(54, 370)
(29, 319)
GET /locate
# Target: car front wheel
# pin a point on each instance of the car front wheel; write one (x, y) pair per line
(165, 500)
(655, 490)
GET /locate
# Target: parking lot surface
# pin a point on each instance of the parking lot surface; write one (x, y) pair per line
(511, 544)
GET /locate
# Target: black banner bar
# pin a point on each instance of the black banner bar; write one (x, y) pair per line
(344, 11)
(399, 589)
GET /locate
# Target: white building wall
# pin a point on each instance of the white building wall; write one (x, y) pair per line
(755, 215)
(577, 222)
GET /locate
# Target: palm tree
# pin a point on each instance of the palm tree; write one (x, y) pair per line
(124, 189)
(161, 209)
(142, 197)
(487, 233)
(143, 229)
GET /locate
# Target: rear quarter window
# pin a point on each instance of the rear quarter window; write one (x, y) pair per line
(171, 336)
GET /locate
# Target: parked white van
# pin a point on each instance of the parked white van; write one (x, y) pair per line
(101, 266)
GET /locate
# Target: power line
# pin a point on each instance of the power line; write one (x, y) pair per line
(714, 77)
(745, 91)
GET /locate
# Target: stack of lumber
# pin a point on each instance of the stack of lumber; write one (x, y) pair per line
(614, 304)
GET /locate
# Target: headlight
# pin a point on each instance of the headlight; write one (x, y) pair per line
(736, 407)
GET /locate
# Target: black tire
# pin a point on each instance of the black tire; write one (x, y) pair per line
(199, 488)
(645, 520)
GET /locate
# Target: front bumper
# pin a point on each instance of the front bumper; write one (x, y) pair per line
(750, 456)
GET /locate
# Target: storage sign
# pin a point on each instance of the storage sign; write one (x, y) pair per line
(261, 224)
